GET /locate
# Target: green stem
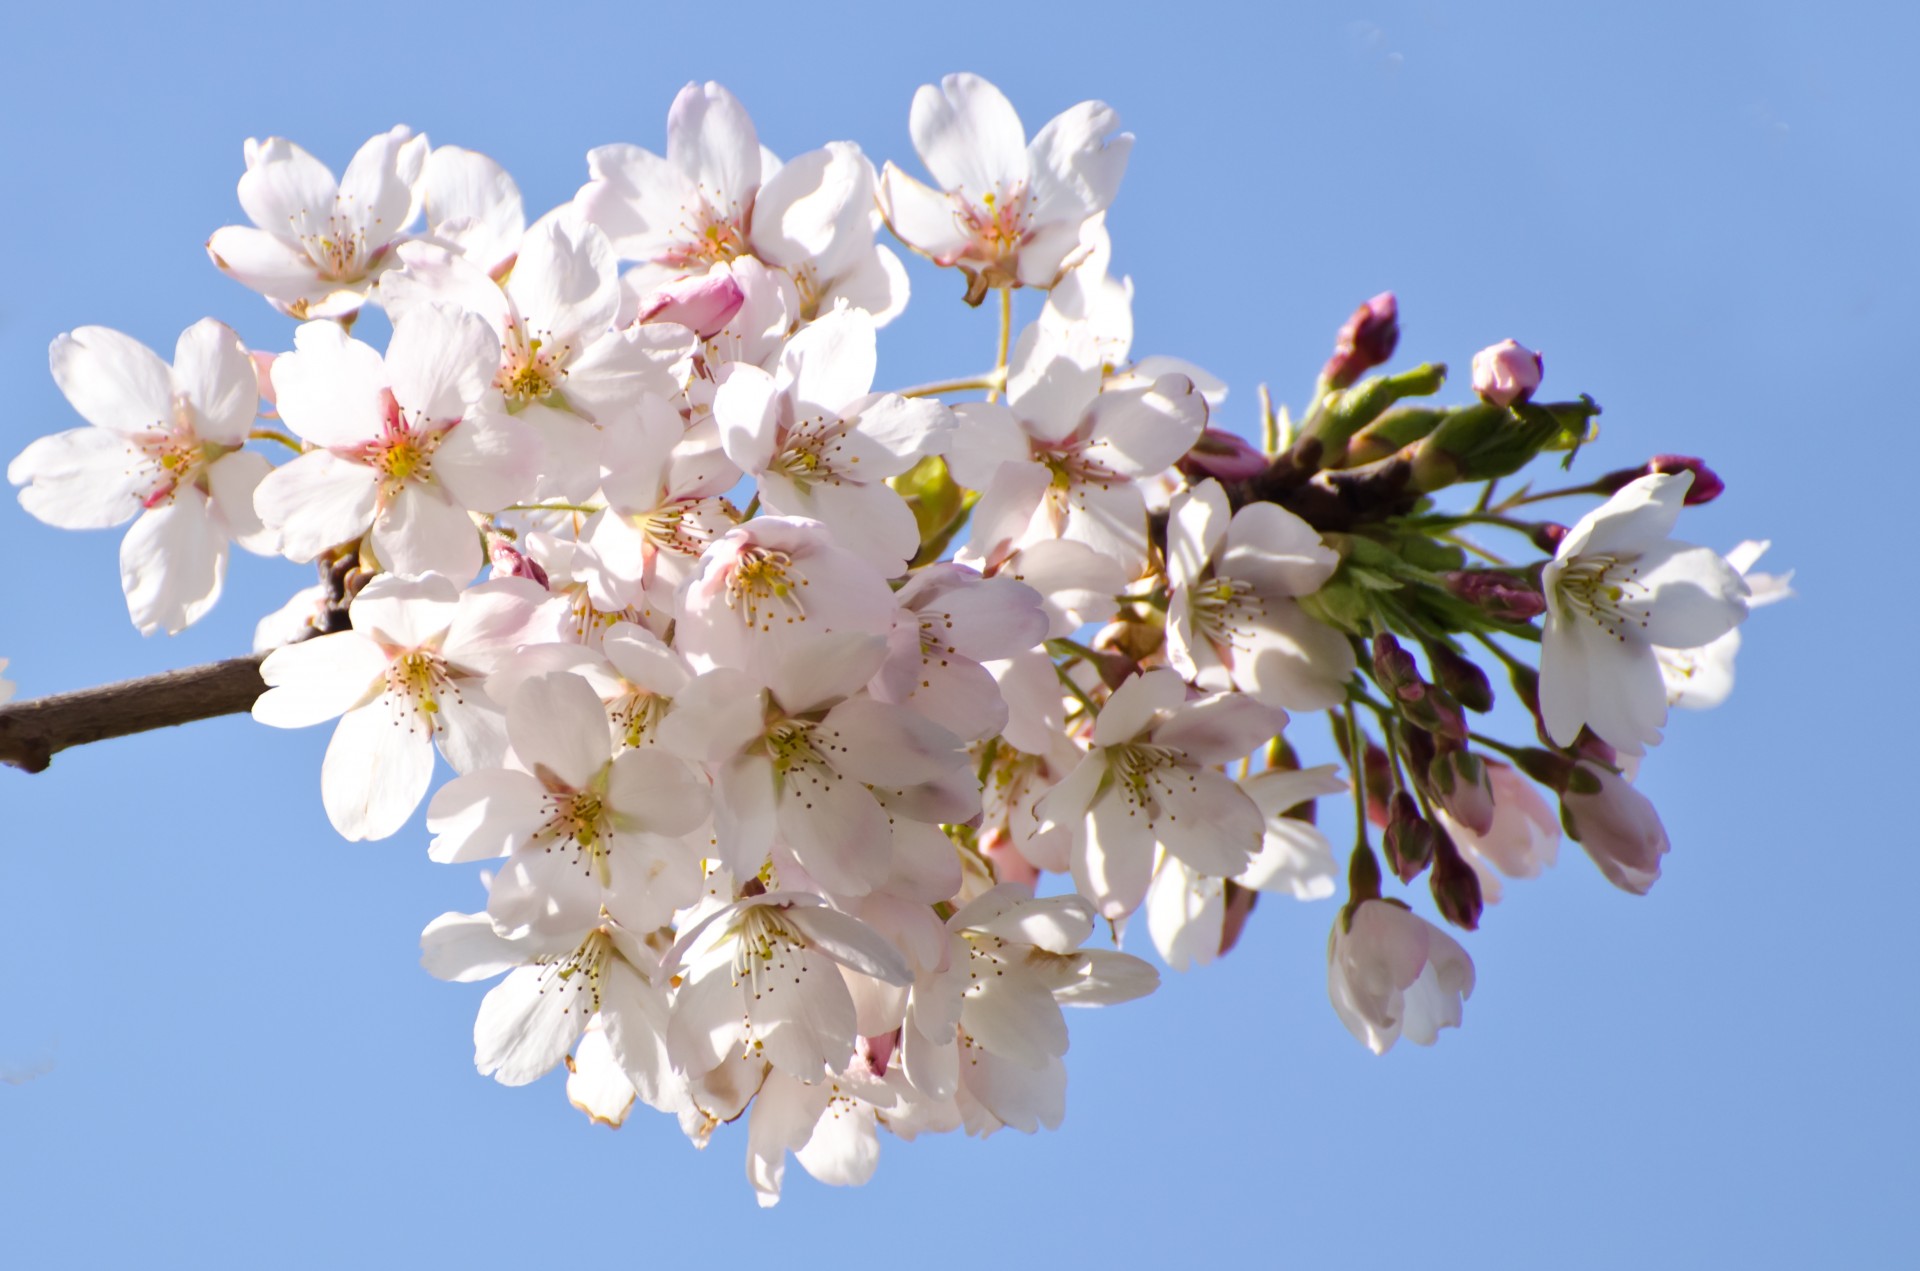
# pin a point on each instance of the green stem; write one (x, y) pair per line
(275, 435)
(1006, 341)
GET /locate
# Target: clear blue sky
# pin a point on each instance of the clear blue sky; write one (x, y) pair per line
(1708, 222)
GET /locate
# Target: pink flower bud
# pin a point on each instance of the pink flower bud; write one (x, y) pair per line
(1707, 485)
(510, 562)
(705, 303)
(1506, 373)
(1618, 827)
(1367, 340)
(1223, 455)
(875, 1053)
(1455, 885)
(1501, 596)
(1238, 908)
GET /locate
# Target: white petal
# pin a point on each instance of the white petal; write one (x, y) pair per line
(317, 501)
(376, 771)
(172, 562)
(212, 368)
(82, 479)
(113, 380)
(969, 136)
(315, 680)
(527, 1023)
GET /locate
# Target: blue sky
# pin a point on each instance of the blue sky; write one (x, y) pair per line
(1709, 227)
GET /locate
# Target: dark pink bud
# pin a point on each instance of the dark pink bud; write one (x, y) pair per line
(1706, 487)
(1456, 888)
(1395, 670)
(705, 304)
(1462, 678)
(510, 562)
(1409, 838)
(1501, 596)
(1225, 456)
(1507, 372)
(1367, 340)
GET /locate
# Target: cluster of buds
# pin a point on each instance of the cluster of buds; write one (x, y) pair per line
(810, 727)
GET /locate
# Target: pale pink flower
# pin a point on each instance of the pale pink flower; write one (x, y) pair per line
(1619, 828)
(165, 446)
(1522, 839)
(1393, 974)
(1506, 373)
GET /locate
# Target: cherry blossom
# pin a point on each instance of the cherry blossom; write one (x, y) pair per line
(1393, 974)
(1007, 212)
(1617, 587)
(317, 246)
(164, 445)
(1702, 678)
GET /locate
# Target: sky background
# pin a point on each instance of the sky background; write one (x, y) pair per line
(1703, 215)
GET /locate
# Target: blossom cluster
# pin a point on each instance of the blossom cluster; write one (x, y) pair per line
(809, 728)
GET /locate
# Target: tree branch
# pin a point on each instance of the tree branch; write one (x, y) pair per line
(33, 732)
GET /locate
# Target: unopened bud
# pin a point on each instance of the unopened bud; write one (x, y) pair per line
(1129, 647)
(1462, 678)
(1409, 838)
(1456, 888)
(1459, 780)
(1223, 455)
(705, 303)
(1506, 373)
(1395, 670)
(1366, 341)
(1547, 536)
(510, 562)
(263, 372)
(1502, 596)
(1707, 485)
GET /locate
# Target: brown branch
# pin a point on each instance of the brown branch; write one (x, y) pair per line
(34, 731)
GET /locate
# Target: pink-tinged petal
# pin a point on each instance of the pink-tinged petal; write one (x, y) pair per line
(806, 1024)
(845, 1148)
(1068, 803)
(1220, 729)
(1208, 821)
(421, 531)
(959, 696)
(113, 380)
(1050, 249)
(710, 137)
(406, 613)
(82, 479)
(835, 829)
(1137, 706)
(565, 282)
(1111, 519)
(635, 197)
(493, 619)
(1186, 915)
(924, 218)
(715, 716)
(558, 728)
(431, 273)
(707, 1020)
(232, 480)
(286, 191)
(876, 281)
(1078, 162)
(527, 1023)
(1276, 551)
(484, 816)
(1022, 1098)
(607, 377)
(871, 521)
(1057, 924)
(1104, 977)
(315, 680)
(172, 562)
(473, 731)
(472, 202)
(317, 501)
(331, 389)
(544, 892)
(830, 363)
(1076, 583)
(376, 770)
(1138, 432)
(1016, 1019)
(746, 407)
(744, 819)
(985, 437)
(488, 461)
(886, 745)
(1196, 525)
(440, 361)
(656, 793)
(903, 430)
(1288, 659)
(1433, 1001)
(465, 947)
(1050, 393)
(213, 369)
(1113, 857)
(635, 1017)
(969, 136)
(1619, 829)
(816, 668)
(379, 190)
(850, 942)
(815, 208)
(268, 264)
(783, 1119)
(1693, 597)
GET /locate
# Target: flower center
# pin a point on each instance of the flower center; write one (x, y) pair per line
(532, 369)
(579, 972)
(999, 223)
(1225, 611)
(761, 588)
(1596, 587)
(339, 252)
(1143, 771)
(581, 820)
(416, 681)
